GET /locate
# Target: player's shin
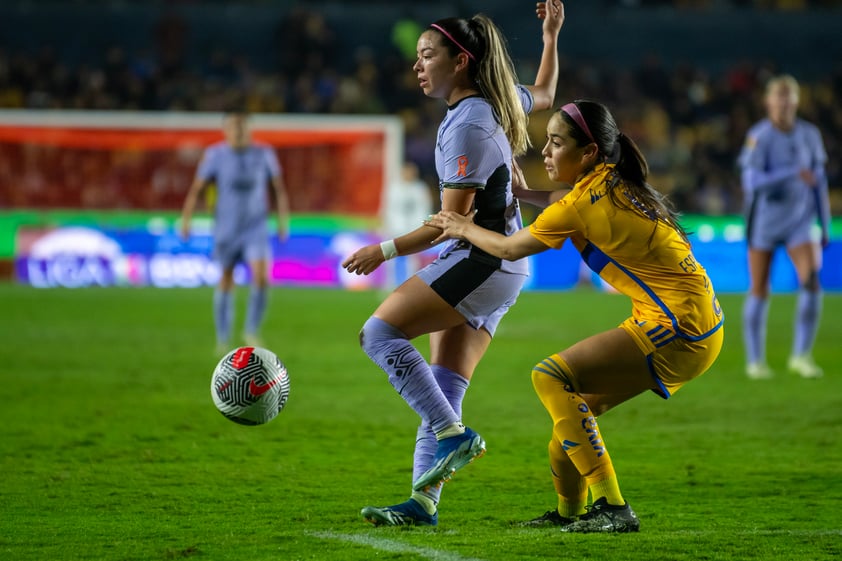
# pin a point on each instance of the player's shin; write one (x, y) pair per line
(575, 428)
(408, 372)
(570, 486)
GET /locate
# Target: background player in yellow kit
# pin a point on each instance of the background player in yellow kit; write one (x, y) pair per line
(628, 234)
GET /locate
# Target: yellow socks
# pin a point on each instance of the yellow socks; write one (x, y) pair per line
(608, 488)
(575, 435)
(569, 484)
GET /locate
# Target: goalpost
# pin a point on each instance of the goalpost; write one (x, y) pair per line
(138, 160)
(123, 174)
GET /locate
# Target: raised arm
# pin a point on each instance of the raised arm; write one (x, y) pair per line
(546, 80)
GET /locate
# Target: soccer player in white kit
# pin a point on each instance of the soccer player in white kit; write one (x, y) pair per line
(786, 193)
(407, 202)
(242, 171)
(460, 298)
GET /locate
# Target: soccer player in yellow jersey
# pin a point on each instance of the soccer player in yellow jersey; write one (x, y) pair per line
(627, 232)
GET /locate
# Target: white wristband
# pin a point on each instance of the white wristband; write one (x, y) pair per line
(389, 250)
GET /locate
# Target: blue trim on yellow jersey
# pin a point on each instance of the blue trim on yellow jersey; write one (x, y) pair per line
(596, 260)
(665, 342)
(658, 335)
(653, 330)
(568, 444)
(660, 340)
(662, 389)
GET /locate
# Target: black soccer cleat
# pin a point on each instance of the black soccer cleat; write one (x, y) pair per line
(549, 518)
(606, 518)
(409, 513)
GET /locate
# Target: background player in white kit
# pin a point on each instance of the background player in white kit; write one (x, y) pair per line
(785, 189)
(242, 170)
(407, 203)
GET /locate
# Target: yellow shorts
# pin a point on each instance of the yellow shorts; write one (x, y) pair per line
(673, 361)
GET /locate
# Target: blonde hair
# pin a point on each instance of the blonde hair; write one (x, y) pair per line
(492, 70)
(497, 79)
(785, 80)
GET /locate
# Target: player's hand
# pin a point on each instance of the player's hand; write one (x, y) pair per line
(552, 12)
(518, 179)
(283, 231)
(185, 230)
(808, 177)
(452, 224)
(365, 260)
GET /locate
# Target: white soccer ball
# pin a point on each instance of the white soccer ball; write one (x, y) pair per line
(250, 385)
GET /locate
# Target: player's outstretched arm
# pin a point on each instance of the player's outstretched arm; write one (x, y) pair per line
(456, 226)
(366, 259)
(546, 80)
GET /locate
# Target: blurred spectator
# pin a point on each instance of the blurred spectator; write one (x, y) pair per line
(690, 120)
(171, 44)
(305, 43)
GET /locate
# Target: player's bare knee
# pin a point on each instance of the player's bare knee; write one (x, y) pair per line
(760, 292)
(812, 282)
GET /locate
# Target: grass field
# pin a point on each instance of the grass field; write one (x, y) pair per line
(111, 448)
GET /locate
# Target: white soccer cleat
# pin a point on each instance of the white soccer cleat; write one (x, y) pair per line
(452, 453)
(252, 340)
(222, 348)
(759, 371)
(804, 366)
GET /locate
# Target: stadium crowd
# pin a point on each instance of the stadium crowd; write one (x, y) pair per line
(691, 121)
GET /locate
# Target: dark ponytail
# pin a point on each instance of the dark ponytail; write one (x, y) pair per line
(631, 163)
(628, 188)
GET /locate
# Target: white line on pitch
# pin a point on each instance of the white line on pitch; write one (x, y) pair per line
(394, 546)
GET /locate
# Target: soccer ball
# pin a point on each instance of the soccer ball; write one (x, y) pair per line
(250, 385)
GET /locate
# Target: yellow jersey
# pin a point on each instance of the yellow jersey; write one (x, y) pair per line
(642, 257)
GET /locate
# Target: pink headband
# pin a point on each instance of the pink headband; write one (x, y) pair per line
(455, 42)
(573, 110)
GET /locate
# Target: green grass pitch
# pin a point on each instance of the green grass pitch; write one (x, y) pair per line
(111, 448)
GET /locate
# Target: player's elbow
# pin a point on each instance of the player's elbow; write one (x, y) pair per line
(542, 99)
(509, 253)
